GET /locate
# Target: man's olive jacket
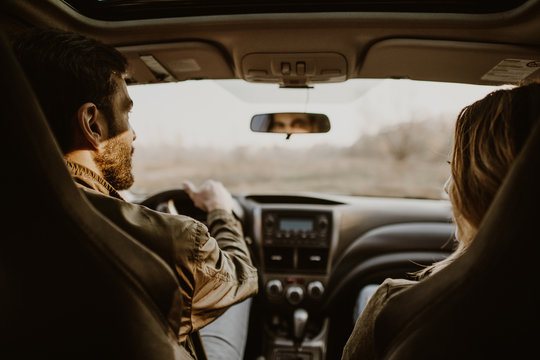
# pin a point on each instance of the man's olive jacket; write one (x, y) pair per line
(212, 264)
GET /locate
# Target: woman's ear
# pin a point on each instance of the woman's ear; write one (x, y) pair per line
(90, 125)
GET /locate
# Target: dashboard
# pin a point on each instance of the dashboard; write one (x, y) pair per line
(296, 247)
(315, 252)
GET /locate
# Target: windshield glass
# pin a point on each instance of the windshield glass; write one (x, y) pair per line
(387, 137)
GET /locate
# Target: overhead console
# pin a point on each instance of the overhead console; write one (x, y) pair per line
(294, 69)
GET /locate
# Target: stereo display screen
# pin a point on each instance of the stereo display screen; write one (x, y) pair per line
(296, 224)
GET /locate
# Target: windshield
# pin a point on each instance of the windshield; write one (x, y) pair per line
(387, 137)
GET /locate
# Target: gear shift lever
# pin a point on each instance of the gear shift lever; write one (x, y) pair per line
(300, 318)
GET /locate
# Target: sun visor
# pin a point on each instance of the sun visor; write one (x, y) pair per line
(175, 62)
(452, 61)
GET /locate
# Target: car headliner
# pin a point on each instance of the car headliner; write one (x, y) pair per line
(420, 46)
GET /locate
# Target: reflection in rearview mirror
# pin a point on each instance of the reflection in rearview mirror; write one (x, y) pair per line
(290, 123)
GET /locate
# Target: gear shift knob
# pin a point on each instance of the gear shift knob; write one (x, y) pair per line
(300, 318)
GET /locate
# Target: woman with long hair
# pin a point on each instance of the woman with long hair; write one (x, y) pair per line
(489, 135)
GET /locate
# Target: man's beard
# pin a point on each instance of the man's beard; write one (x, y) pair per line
(115, 163)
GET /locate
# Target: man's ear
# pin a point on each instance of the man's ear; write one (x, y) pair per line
(91, 124)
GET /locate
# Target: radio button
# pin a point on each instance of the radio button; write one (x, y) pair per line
(322, 224)
(269, 222)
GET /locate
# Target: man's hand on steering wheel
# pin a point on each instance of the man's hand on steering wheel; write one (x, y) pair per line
(211, 195)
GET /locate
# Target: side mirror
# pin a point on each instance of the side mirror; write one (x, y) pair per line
(290, 123)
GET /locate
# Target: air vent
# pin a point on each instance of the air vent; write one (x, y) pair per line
(278, 258)
(312, 259)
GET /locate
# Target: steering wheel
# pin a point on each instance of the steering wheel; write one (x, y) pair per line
(175, 202)
(178, 202)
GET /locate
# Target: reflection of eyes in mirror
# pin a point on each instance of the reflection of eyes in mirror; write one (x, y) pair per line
(290, 123)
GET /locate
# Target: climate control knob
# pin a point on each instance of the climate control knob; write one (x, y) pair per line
(269, 222)
(315, 290)
(322, 224)
(274, 288)
(294, 295)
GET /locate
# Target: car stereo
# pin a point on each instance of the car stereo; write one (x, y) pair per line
(290, 228)
(296, 240)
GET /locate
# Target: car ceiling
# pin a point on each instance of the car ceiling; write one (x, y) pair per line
(299, 49)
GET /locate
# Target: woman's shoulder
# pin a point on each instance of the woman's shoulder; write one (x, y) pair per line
(361, 342)
(388, 288)
(397, 284)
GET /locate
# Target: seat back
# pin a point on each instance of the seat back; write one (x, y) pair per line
(485, 305)
(73, 285)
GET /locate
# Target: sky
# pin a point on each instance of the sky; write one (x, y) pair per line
(183, 113)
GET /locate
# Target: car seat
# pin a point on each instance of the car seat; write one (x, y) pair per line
(73, 285)
(485, 305)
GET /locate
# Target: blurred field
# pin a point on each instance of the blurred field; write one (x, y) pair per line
(408, 160)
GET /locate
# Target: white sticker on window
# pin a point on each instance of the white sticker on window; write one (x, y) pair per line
(511, 70)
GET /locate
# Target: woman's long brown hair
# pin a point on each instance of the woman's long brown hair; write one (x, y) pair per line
(489, 135)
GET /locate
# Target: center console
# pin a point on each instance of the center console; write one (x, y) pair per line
(296, 246)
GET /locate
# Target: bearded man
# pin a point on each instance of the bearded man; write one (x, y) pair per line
(80, 84)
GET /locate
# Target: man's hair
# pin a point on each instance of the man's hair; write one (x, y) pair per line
(67, 70)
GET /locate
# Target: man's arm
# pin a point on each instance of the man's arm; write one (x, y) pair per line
(225, 273)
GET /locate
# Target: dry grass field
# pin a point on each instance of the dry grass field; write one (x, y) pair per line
(408, 160)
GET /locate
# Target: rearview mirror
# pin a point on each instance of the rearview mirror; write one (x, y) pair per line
(290, 123)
